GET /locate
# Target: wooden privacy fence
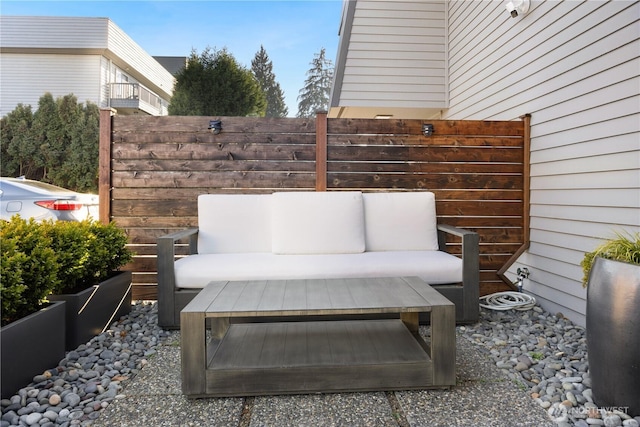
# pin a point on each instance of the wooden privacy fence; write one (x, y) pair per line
(153, 168)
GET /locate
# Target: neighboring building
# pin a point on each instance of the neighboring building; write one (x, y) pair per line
(89, 57)
(574, 66)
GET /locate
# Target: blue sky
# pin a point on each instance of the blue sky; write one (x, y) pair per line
(291, 31)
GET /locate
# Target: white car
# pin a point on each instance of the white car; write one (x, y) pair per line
(42, 201)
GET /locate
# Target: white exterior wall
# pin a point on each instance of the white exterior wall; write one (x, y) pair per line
(396, 56)
(575, 67)
(127, 54)
(23, 81)
(63, 55)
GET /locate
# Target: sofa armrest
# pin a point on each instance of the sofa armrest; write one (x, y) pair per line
(470, 267)
(166, 272)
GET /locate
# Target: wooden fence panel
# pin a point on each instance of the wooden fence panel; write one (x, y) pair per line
(157, 166)
(475, 169)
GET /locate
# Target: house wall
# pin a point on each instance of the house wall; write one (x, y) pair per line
(393, 59)
(22, 80)
(146, 70)
(65, 55)
(574, 66)
(26, 32)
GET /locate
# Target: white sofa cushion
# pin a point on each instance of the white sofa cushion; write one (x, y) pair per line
(400, 221)
(434, 267)
(234, 223)
(317, 222)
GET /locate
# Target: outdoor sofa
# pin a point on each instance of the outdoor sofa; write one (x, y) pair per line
(316, 235)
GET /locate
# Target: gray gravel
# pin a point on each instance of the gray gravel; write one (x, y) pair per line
(513, 369)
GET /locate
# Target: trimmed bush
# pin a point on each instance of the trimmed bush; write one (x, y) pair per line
(29, 267)
(40, 258)
(88, 252)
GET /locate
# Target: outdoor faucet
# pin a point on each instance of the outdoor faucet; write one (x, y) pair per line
(523, 273)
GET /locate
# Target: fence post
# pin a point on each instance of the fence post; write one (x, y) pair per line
(321, 151)
(104, 165)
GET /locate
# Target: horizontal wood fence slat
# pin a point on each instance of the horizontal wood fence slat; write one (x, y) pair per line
(216, 151)
(154, 168)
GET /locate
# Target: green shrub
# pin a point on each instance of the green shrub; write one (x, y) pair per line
(88, 252)
(29, 267)
(40, 258)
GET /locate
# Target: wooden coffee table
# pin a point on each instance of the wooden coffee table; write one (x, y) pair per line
(247, 354)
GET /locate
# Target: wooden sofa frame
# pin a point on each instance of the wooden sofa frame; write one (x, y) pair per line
(464, 295)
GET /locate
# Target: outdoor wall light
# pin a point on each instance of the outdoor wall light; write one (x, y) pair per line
(215, 126)
(518, 7)
(427, 129)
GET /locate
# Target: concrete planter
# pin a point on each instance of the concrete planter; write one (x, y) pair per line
(92, 310)
(30, 346)
(613, 334)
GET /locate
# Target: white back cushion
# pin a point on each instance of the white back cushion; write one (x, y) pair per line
(400, 221)
(317, 222)
(232, 223)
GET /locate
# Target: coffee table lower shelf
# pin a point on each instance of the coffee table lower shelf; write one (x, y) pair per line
(321, 356)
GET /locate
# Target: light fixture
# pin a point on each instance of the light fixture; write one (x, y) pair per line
(383, 116)
(215, 126)
(518, 7)
(427, 129)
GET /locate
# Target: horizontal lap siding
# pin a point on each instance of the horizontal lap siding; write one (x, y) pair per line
(159, 165)
(574, 67)
(22, 80)
(394, 58)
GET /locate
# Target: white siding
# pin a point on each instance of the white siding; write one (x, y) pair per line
(145, 69)
(396, 55)
(60, 50)
(105, 79)
(575, 67)
(22, 80)
(26, 32)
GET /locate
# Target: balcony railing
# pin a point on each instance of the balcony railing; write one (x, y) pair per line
(135, 95)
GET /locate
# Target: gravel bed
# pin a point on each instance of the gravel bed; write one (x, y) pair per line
(547, 355)
(89, 378)
(544, 354)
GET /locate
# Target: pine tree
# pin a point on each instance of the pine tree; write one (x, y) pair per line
(262, 69)
(314, 96)
(215, 84)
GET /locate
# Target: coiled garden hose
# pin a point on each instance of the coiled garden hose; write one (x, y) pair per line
(508, 300)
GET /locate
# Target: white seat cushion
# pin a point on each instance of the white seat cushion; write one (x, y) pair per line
(434, 267)
(400, 221)
(234, 223)
(317, 222)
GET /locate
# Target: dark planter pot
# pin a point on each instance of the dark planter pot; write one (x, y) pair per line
(613, 334)
(30, 346)
(92, 310)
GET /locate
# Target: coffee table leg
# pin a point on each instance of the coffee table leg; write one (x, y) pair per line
(411, 321)
(443, 345)
(193, 351)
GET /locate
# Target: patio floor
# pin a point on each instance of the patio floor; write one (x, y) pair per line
(484, 396)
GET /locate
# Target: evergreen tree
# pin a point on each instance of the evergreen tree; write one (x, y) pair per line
(57, 144)
(314, 96)
(262, 69)
(17, 148)
(79, 168)
(214, 84)
(46, 135)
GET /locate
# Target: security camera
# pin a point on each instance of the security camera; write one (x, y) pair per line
(517, 7)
